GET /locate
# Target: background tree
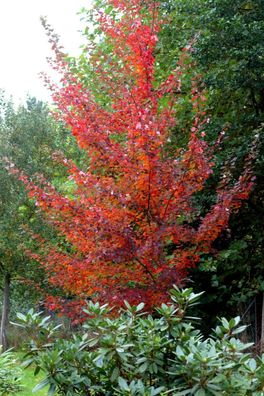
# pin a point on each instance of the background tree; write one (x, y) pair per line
(28, 138)
(228, 51)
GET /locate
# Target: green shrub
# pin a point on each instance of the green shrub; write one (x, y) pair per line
(10, 374)
(138, 354)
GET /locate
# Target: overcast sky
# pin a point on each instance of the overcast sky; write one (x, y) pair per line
(24, 46)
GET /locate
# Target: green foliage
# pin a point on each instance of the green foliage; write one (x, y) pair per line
(25, 135)
(29, 136)
(227, 48)
(133, 353)
(231, 49)
(10, 374)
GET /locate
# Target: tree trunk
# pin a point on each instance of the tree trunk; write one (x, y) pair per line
(262, 326)
(5, 312)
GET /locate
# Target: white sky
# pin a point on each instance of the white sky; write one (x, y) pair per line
(24, 45)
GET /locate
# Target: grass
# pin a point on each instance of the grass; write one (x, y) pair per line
(29, 381)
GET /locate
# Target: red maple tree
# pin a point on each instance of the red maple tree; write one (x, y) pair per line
(130, 220)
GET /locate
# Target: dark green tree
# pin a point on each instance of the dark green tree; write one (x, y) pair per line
(227, 48)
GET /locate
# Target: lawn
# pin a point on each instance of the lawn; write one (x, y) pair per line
(29, 381)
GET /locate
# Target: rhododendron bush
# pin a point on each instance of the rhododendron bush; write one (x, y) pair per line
(131, 224)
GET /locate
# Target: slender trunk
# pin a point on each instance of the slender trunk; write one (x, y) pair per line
(261, 101)
(5, 312)
(243, 313)
(262, 327)
(254, 102)
(256, 321)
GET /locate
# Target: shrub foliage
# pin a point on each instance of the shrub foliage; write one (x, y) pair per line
(135, 353)
(10, 374)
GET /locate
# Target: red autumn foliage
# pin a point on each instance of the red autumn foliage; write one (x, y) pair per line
(130, 219)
